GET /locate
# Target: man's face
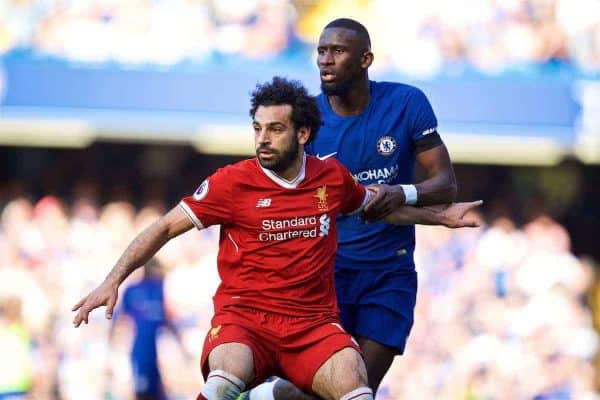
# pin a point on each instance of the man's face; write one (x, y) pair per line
(339, 60)
(275, 139)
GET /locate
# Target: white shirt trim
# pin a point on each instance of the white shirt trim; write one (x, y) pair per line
(282, 181)
(190, 214)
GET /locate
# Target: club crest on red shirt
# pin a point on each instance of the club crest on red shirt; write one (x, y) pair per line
(321, 197)
(214, 333)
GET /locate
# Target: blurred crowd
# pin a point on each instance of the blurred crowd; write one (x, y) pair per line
(501, 311)
(50, 256)
(501, 314)
(423, 39)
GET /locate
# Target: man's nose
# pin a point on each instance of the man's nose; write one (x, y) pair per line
(263, 136)
(326, 58)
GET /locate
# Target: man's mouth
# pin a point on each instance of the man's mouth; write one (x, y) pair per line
(265, 153)
(327, 76)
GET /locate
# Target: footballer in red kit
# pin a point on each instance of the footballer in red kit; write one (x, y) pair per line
(276, 252)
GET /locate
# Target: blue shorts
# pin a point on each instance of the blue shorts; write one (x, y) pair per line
(146, 377)
(377, 304)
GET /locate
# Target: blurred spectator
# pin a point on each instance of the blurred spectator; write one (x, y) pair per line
(423, 39)
(16, 373)
(143, 302)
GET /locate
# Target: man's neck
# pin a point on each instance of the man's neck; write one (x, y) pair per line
(354, 101)
(292, 172)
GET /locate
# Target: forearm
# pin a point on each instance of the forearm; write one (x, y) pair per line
(409, 215)
(438, 182)
(439, 189)
(139, 251)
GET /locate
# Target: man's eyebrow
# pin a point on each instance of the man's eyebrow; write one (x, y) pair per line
(270, 123)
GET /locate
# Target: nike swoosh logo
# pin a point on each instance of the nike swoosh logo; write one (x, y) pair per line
(326, 156)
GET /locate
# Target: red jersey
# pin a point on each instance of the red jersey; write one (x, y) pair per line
(278, 237)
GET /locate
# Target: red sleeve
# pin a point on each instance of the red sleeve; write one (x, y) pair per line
(355, 194)
(211, 203)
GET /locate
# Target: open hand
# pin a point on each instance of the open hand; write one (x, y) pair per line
(104, 295)
(453, 215)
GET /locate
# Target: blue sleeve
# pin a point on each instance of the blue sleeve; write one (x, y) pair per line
(125, 307)
(422, 118)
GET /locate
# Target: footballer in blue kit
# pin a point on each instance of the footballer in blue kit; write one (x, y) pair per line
(380, 131)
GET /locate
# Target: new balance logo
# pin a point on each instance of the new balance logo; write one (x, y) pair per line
(263, 203)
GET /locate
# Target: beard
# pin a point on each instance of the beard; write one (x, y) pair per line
(339, 88)
(281, 160)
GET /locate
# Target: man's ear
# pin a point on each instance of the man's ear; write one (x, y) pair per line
(366, 60)
(303, 134)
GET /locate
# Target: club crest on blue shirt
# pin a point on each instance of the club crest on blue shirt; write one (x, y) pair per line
(386, 145)
(202, 191)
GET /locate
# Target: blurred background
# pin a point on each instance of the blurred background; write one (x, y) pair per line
(112, 110)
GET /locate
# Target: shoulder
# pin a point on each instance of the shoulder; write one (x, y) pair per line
(321, 99)
(330, 165)
(398, 90)
(241, 166)
(237, 170)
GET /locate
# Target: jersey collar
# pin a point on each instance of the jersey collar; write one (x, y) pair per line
(288, 184)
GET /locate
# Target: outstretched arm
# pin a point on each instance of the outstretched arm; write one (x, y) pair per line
(139, 251)
(451, 216)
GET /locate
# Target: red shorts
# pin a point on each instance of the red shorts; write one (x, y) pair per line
(291, 347)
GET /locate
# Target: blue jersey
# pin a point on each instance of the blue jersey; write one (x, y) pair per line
(144, 303)
(377, 146)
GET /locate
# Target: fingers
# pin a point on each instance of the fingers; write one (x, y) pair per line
(467, 224)
(374, 188)
(474, 204)
(378, 207)
(86, 306)
(461, 209)
(81, 316)
(78, 305)
(82, 312)
(110, 305)
(374, 200)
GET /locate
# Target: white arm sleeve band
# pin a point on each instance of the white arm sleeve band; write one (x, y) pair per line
(410, 194)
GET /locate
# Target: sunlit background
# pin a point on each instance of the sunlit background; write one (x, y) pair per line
(111, 110)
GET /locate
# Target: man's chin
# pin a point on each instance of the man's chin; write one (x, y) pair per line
(328, 87)
(333, 88)
(268, 164)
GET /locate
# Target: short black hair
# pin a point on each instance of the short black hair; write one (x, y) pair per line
(279, 91)
(353, 25)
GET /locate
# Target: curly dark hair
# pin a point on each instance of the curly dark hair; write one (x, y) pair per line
(305, 112)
